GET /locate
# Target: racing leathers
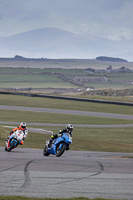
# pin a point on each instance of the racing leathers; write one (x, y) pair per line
(25, 131)
(59, 134)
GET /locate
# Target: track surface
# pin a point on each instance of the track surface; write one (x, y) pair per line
(89, 174)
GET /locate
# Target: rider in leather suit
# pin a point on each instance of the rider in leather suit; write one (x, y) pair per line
(21, 127)
(68, 129)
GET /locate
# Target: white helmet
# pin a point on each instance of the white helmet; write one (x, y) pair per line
(23, 125)
(69, 127)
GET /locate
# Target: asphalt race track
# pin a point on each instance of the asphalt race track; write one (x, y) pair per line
(27, 172)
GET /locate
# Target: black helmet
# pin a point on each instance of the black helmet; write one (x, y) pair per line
(23, 125)
(69, 127)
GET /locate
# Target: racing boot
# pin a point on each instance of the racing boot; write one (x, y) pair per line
(50, 142)
(67, 148)
(7, 138)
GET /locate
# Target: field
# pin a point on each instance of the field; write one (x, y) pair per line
(89, 139)
(55, 78)
(63, 64)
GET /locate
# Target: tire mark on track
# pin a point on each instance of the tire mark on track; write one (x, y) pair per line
(78, 179)
(11, 168)
(101, 169)
(26, 175)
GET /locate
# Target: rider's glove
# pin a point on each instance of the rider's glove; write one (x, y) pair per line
(52, 136)
(59, 131)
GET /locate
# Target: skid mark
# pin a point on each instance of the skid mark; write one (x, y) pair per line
(26, 175)
(85, 177)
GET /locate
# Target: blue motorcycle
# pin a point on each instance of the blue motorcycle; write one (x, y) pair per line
(58, 145)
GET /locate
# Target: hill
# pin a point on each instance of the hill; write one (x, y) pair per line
(53, 43)
(104, 58)
(101, 58)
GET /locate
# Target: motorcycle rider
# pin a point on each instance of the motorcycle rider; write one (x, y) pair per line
(21, 127)
(68, 129)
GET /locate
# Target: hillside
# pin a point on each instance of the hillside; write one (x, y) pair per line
(104, 58)
(54, 43)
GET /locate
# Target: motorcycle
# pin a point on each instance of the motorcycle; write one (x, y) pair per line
(14, 140)
(58, 145)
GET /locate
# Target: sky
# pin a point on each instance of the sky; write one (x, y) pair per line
(101, 19)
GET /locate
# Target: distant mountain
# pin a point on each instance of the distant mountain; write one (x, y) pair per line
(54, 43)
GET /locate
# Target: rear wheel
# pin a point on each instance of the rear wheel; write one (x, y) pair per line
(45, 152)
(60, 149)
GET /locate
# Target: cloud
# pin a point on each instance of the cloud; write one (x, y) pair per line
(85, 17)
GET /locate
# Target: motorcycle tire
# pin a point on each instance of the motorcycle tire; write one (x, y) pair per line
(5, 148)
(60, 151)
(45, 152)
(11, 146)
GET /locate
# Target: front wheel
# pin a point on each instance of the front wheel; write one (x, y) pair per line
(11, 146)
(60, 149)
(45, 152)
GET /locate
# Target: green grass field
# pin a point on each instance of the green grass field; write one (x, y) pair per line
(108, 86)
(59, 78)
(41, 84)
(36, 78)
